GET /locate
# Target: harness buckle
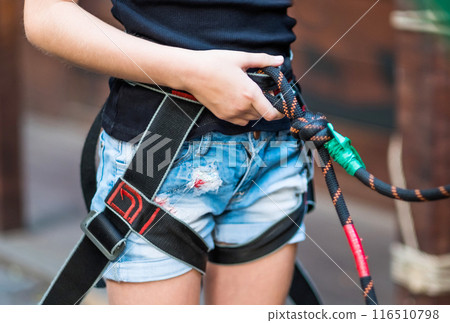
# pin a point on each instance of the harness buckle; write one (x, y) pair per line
(111, 254)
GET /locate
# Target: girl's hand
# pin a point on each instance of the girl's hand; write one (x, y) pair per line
(217, 78)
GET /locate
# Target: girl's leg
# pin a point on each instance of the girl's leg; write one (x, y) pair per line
(184, 289)
(265, 281)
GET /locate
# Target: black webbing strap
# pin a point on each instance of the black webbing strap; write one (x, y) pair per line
(269, 241)
(303, 291)
(129, 209)
(88, 169)
(156, 225)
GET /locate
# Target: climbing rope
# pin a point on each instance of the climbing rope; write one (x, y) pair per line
(314, 127)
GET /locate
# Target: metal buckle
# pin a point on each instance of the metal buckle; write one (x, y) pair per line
(116, 250)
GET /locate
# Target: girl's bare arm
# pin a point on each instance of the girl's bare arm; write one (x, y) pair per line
(216, 77)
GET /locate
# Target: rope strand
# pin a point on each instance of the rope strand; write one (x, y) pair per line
(309, 126)
(410, 195)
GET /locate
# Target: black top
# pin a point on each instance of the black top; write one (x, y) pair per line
(246, 25)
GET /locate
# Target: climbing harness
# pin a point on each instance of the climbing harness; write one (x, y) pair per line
(130, 205)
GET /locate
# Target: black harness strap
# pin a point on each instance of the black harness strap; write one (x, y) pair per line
(303, 291)
(269, 241)
(129, 209)
(88, 169)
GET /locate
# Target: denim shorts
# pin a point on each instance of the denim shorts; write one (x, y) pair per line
(228, 188)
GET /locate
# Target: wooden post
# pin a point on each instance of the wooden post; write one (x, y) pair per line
(423, 96)
(10, 166)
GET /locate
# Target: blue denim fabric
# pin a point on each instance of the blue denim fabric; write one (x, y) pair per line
(229, 189)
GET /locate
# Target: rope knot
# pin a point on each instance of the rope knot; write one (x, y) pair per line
(311, 127)
(305, 125)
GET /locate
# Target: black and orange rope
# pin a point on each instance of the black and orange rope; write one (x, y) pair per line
(309, 126)
(398, 193)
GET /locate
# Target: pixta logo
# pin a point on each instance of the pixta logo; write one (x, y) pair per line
(153, 154)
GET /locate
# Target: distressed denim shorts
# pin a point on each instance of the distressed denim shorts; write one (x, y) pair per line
(228, 188)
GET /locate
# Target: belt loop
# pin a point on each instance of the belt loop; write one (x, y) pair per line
(203, 145)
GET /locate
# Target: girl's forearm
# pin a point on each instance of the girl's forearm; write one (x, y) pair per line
(63, 29)
(216, 78)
